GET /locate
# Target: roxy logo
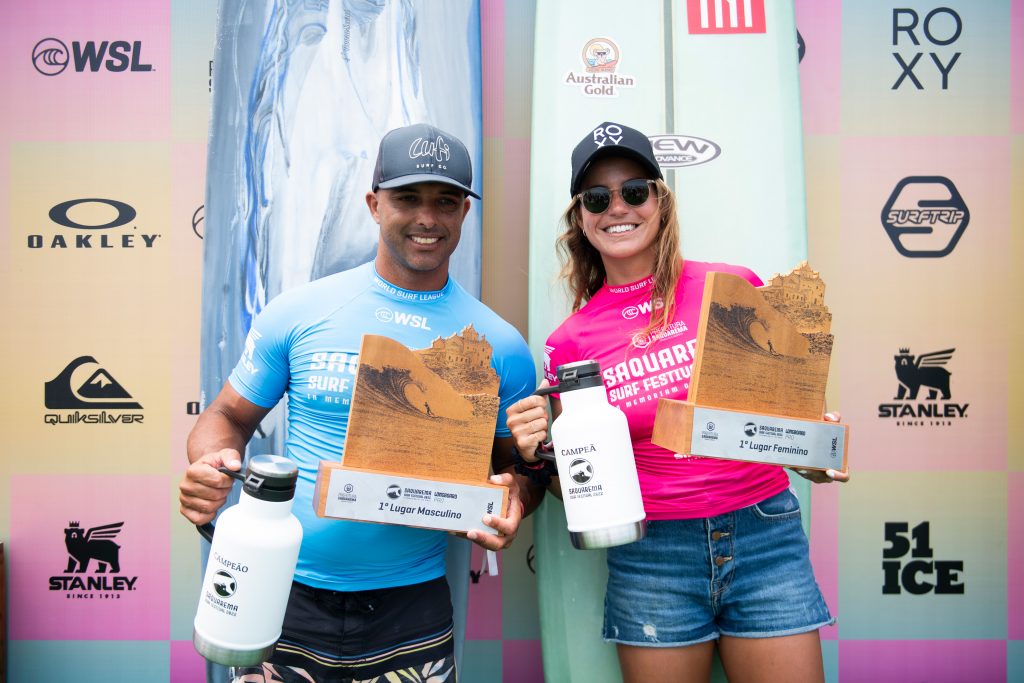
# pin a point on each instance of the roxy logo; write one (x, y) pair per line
(434, 149)
(725, 16)
(387, 315)
(604, 134)
(85, 546)
(941, 27)
(51, 56)
(914, 372)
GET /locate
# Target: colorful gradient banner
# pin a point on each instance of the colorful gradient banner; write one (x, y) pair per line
(913, 116)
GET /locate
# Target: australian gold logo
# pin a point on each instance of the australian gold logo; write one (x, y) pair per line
(600, 58)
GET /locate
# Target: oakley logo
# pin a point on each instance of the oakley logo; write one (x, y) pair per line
(50, 56)
(59, 214)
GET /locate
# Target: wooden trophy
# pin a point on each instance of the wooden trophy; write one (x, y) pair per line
(420, 432)
(757, 392)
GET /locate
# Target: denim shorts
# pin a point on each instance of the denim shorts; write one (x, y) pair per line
(746, 573)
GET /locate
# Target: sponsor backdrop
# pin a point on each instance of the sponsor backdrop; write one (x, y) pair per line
(913, 114)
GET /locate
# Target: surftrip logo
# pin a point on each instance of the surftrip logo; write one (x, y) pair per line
(600, 57)
(725, 16)
(925, 216)
(94, 564)
(677, 151)
(86, 393)
(93, 223)
(930, 408)
(51, 56)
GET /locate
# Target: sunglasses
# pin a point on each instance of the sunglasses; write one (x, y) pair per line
(634, 192)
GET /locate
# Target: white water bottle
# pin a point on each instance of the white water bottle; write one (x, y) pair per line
(251, 566)
(594, 455)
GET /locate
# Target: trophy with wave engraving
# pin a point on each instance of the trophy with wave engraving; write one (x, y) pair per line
(757, 391)
(420, 433)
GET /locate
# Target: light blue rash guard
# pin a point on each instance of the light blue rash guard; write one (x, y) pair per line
(305, 344)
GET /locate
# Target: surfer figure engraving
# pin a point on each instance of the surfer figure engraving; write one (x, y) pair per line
(725, 561)
(368, 599)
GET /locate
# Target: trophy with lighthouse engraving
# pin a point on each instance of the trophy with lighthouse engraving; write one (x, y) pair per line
(757, 391)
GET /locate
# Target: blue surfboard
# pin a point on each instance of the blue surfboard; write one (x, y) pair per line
(303, 92)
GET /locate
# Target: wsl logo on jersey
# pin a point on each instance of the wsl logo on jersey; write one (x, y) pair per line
(94, 564)
(600, 58)
(925, 216)
(86, 393)
(93, 223)
(51, 56)
(923, 391)
(725, 16)
(390, 316)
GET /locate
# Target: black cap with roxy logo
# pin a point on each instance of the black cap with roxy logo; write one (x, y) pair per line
(611, 139)
(421, 153)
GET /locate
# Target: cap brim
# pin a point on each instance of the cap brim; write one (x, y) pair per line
(615, 151)
(425, 178)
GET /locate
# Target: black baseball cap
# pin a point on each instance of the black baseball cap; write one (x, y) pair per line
(611, 139)
(421, 153)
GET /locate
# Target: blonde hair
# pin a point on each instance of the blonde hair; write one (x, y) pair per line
(583, 270)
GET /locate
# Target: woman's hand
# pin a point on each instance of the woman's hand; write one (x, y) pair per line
(827, 476)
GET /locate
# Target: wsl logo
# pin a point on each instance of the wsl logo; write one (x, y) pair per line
(86, 546)
(925, 216)
(51, 56)
(97, 224)
(387, 315)
(914, 373)
(90, 394)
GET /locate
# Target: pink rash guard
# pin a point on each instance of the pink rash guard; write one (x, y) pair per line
(639, 369)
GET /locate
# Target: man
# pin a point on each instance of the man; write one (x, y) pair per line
(368, 599)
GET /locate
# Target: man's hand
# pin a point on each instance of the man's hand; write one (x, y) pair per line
(527, 419)
(506, 526)
(203, 490)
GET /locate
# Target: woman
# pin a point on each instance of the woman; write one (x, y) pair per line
(725, 557)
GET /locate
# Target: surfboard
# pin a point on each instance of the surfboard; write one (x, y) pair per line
(302, 94)
(715, 85)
